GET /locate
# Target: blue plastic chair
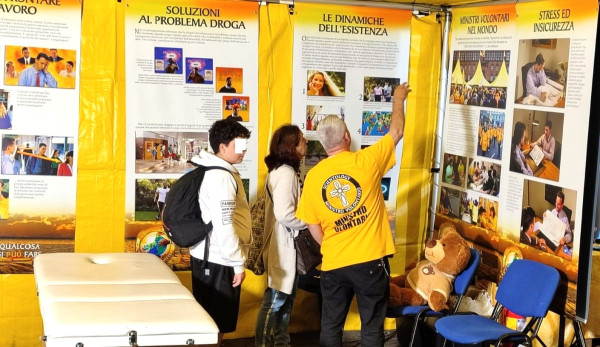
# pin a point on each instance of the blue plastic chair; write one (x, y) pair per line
(461, 284)
(527, 289)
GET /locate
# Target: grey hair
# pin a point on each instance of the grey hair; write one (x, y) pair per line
(331, 131)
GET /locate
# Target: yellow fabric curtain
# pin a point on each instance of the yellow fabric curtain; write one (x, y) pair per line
(100, 213)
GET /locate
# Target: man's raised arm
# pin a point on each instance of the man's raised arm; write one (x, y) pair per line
(397, 122)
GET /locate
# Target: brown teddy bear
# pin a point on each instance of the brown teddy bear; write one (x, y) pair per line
(430, 281)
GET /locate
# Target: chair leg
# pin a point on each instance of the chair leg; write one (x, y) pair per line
(414, 331)
(403, 329)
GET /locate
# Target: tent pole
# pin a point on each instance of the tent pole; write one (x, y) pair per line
(446, 15)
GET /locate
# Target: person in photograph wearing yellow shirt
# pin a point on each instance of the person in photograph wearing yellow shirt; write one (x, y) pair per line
(343, 206)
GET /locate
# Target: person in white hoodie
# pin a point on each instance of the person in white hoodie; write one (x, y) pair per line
(217, 279)
(288, 147)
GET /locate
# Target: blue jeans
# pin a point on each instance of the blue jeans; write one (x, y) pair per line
(274, 316)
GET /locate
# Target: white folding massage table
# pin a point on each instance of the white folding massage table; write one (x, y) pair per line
(117, 299)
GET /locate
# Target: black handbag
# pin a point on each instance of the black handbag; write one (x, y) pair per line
(308, 252)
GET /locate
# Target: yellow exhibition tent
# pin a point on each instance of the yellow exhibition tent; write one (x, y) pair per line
(100, 206)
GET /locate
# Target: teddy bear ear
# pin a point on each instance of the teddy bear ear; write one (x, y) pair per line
(445, 228)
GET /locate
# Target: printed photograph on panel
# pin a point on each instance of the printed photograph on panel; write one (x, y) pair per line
(167, 151)
(450, 202)
(375, 123)
(484, 176)
(168, 60)
(4, 195)
(314, 153)
(547, 218)
(40, 67)
(488, 214)
(326, 83)
(199, 70)
(490, 134)
(229, 80)
(453, 169)
(385, 187)
(37, 155)
(469, 207)
(542, 72)
(236, 108)
(6, 110)
(480, 78)
(315, 113)
(379, 89)
(536, 143)
(150, 195)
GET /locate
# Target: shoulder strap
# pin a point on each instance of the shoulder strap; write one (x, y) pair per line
(207, 168)
(267, 188)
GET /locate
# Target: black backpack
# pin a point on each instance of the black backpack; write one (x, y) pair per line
(181, 216)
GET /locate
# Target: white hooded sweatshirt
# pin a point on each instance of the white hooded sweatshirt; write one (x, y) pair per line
(222, 199)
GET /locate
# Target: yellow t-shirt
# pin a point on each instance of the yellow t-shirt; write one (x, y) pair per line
(343, 195)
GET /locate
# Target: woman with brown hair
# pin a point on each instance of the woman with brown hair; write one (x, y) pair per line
(287, 148)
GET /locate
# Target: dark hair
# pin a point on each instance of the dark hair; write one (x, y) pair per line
(42, 145)
(549, 124)
(7, 141)
(24, 49)
(539, 59)
(69, 154)
(527, 217)
(70, 63)
(225, 130)
(518, 133)
(282, 149)
(561, 195)
(43, 55)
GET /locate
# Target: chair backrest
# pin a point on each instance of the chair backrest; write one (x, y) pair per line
(568, 212)
(524, 70)
(557, 152)
(528, 288)
(463, 279)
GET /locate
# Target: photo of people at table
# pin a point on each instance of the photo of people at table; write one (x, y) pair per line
(453, 169)
(480, 78)
(490, 134)
(484, 176)
(542, 72)
(547, 218)
(536, 143)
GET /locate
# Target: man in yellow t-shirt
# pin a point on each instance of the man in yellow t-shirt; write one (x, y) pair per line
(343, 207)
